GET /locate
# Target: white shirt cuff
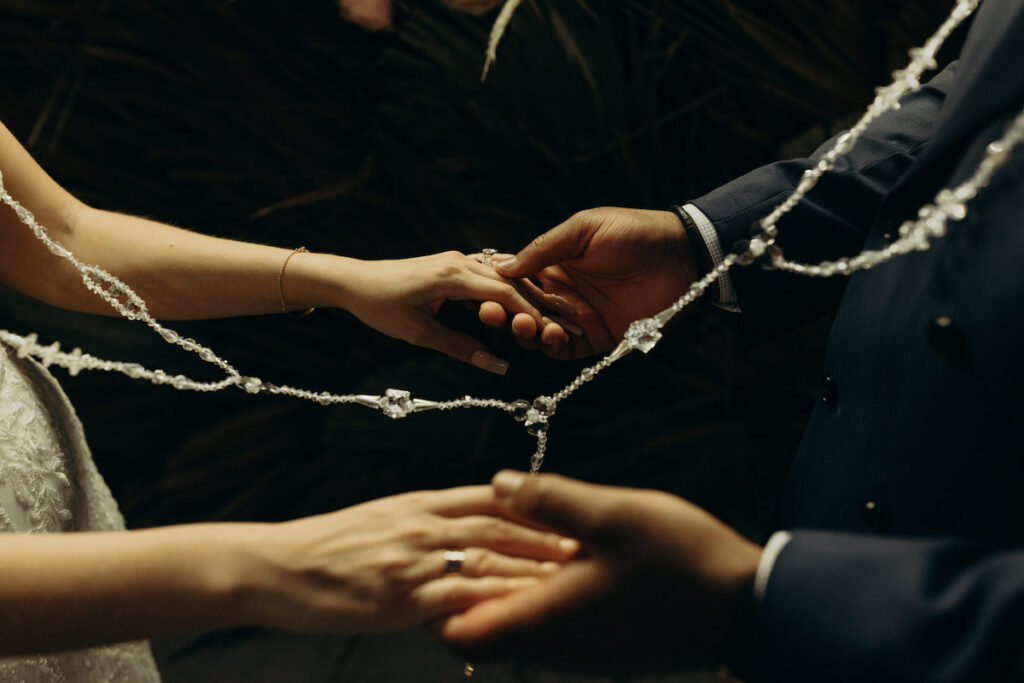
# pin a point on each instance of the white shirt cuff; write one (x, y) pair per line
(726, 293)
(770, 553)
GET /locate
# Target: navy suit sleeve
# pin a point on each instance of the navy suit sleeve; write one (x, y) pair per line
(832, 221)
(845, 607)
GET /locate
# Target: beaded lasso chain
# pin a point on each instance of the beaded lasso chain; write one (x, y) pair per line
(949, 205)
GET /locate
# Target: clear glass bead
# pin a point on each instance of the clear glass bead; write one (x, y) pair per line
(643, 334)
(536, 422)
(519, 409)
(251, 384)
(396, 403)
(956, 211)
(133, 370)
(75, 362)
(545, 405)
(26, 348)
(757, 247)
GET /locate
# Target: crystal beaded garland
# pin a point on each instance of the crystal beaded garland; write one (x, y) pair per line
(932, 222)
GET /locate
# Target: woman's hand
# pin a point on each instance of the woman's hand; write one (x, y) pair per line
(381, 565)
(400, 298)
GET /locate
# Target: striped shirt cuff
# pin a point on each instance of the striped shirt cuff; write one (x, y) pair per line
(726, 293)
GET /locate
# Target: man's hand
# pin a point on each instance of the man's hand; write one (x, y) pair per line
(657, 585)
(613, 265)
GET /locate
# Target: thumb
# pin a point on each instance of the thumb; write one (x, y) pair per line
(565, 505)
(562, 243)
(434, 335)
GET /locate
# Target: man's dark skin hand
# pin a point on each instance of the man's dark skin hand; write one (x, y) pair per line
(613, 265)
(658, 584)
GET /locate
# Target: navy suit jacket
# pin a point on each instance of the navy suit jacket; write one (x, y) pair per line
(906, 497)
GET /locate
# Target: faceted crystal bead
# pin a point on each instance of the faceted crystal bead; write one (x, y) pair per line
(536, 422)
(133, 370)
(207, 355)
(587, 374)
(251, 384)
(519, 409)
(545, 405)
(26, 348)
(955, 211)
(844, 143)
(757, 247)
(323, 398)
(396, 403)
(49, 354)
(75, 362)
(643, 334)
(169, 336)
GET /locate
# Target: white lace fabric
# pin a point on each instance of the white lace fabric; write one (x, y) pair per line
(50, 484)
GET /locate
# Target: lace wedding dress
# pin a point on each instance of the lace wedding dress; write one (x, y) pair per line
(49, 483)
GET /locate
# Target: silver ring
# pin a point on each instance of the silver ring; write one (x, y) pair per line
(453, 560)
(487, 257)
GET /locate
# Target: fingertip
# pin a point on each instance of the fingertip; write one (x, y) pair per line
(553, 335)
(524, 326)
(492, 314)
(549, 567)
(569, 546)
(506, 483)
(507, 266)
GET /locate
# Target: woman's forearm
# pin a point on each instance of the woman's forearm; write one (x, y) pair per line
(186, 275)
(180, 274)
(65, 591)
(375, 566)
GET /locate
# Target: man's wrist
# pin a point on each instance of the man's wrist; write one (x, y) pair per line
(698, 248)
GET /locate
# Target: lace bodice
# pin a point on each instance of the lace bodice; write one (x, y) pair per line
(49, 483)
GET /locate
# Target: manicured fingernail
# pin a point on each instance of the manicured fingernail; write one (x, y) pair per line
(550, 567)
(566, 325)
(569, 546)
(489, 362)
(507, 263)
(506, 483)
(562, 304)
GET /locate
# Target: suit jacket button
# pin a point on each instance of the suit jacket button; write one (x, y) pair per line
(829, 393)
(874, 520)
(946, 339)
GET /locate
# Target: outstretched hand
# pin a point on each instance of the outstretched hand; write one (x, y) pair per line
(381, 565)
(613, 265)
(401, 299)
(657, 585)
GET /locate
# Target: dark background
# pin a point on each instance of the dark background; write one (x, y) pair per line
(279, 123)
